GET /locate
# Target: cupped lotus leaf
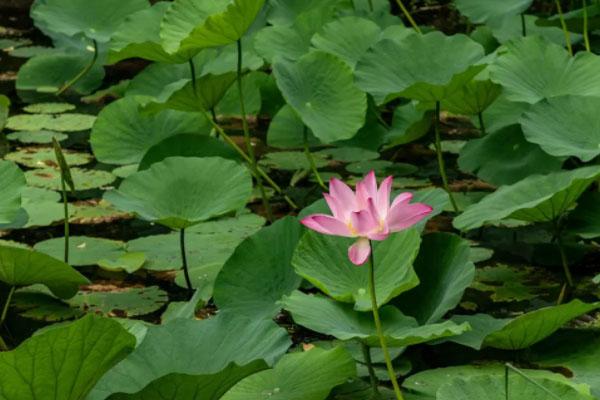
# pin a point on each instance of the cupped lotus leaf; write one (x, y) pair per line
(503, 113)
(504, 157)
(60, 122)
(444, 272)
(532, 69)
(484, 11)
(519, 388)
(83, 250)
(192, 25)
(187, 146)
(49, 73)
(21, 267)
(194, 387)
(308, 375)
(547, 122)
(259, 272)
(123, 133)
(13, 182)
(139, 36)
(473, 98)
(84, 179)
(532, 327)
(323, 261)
(349, 38)
(320, 88)
(238, 340)
(64, 363)
(45, 157)
(537, 198)
(96, 19)
(329, 317)
(49, 108)
(36, 137)
(121, 302)
(427, 67)
(179, 192)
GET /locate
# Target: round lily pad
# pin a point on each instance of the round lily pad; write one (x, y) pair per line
(84, 179)
(36, 137)
(48, 108)
(45, 157)
(119, 302)
(83, 250)
(59, 122)
(92, 212)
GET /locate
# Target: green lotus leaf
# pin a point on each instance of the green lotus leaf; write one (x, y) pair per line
(123, 133)
(511, 28)
(187, 146)
(60, 122)
(585, 219)
(121, 302)
(285, 12)
(519, 70)
(536, 198)
(329, 317)
(482, 325)
(48, 108)
(408, 124)
(84, 179)
(484, 11)
(21, 267)
(291, 161)
(532, 327)
(36, 137)
(504, 157)
(286, 130)
(40, 208)
(259, 272)
(44, 157)
(13, 182)
(502, 113)
(128, 262)
(428, 67)
(192, 25)
(348, 154)
(4, 110)
(320, 88)
(96, 19)
(574, 20)
(307, 375)
(323, 261)
(194, 387)
(83, 250)
(179, 192)
(349, 38)
(444, 272)
(65, 362)
(473, 98)
(546, 122)
(162, 351)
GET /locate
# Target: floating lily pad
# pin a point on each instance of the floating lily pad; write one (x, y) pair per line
(128, 262)
(119, 302)
(45, 157)
(83, 250)
(59, 122)
(48, 108)
(92, 212)
(35, 303)
(13, 181)
(36, 137)
(85, 179)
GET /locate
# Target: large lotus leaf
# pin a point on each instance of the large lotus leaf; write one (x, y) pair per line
(532, 69)
(530, 328)
(193, 347)
(194, 387)
(83, 250)
(158, 81)
(504, 157)
(123, 133)
(49, 73)
(307, 375)
(96, 19)
(511, 28)
(13, 182)
(139, 36)
(187, 146)
(259, 272)
(179, 192)
(444, 272)
(503, 113)
(547, 123)
(536, 198)
(320, 88)
(576, 350)
(519, 388)
(65, 362)
(349, 38)
(323, 261)
(483, 11)
(201, 95)
(482, 325)
(337, 319)
(408, 124)
(473, 98)
(286, 130)
(426, 67)
(192, 25)
(21, 267)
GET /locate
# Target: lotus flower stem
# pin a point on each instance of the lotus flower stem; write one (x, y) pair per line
(586, 36)
(258, 169)
(440, 156)
(186, 272)
(564, 27)
(481, 124)
(249, 147)
(369, 363)
(378, 327)
(213, 115)
(3, 345)
(193, 75)
(564, 261)
(83, 72)
(311, 161)
(371, 5)
(408, 16)
(66, 216)
(65, 178)
(523, 25)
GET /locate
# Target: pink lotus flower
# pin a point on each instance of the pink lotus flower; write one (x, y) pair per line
(365, 214)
